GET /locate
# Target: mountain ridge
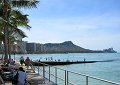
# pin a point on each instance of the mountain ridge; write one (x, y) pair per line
(69, 47)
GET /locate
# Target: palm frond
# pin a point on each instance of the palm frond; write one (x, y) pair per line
(21, 32)
(26, 26)
(25, 3)
(19, 19)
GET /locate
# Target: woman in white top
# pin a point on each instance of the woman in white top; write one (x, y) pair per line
(21, 76)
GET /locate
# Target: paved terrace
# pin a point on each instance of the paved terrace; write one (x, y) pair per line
(32, 78)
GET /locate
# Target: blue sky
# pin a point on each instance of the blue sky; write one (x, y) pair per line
(92, 24)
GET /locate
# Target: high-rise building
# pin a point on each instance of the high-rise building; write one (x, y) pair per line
(31, 47)
(38, 47)
(22, 46)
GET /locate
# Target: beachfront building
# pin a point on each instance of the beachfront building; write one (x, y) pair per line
(109, 50)
(14, 48)
(31, 47)
(42, 48)
(38, 48)
(22, 46)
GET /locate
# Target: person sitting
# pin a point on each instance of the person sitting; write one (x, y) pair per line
(21, 76)
(14, 76)
(1, 72)
(12, 62)
(7, 63)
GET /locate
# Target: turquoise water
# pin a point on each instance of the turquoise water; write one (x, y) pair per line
(106, 70)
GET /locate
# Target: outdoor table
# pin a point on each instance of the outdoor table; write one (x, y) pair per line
(7, 76)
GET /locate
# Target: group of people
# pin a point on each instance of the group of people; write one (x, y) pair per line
(10, 62)
(18, 76)
(26, 61)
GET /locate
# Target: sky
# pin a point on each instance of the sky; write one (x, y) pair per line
(91, 24)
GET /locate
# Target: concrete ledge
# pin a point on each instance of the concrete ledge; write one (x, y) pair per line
(37, 80)
(32, 74)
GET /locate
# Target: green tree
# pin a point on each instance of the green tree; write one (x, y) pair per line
(16, 19)
(7, 6)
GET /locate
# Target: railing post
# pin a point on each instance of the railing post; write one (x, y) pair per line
(38, 69)
(34, 68)
(86, 80)
(65, 77)
(44, 70)
(55, 75)
(49, 73)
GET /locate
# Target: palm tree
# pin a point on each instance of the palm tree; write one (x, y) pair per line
(13, 31)
(7, 6)
(17, 19)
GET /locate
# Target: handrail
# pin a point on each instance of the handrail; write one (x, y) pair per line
(66, 80)
(32, 67)
(95, 78)
(111, 82)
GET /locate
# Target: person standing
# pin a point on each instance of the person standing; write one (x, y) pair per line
(84, 59)
(27, 62)
(21, 60)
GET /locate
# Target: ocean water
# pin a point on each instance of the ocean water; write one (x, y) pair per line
(105, 70)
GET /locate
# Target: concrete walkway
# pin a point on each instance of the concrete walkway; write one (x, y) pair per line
(34, 79)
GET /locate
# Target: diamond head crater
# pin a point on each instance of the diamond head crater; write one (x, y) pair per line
(64, 47)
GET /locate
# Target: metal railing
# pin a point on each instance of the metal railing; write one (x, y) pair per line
(64, 77)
